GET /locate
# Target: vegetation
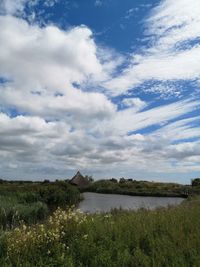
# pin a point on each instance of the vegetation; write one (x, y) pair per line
(37, 227)
(32, 202)
(163, 237)
(141, 188)
(196, 182)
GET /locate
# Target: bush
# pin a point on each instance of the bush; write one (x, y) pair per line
(32, 202)
(196, 182)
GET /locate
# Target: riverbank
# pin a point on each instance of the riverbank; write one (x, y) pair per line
(139, 188)
(161, 237)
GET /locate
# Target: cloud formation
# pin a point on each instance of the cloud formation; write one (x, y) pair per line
(173, 31)
(67, 102)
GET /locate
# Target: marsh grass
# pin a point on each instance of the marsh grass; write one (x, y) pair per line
(162, 237)
(32, 202)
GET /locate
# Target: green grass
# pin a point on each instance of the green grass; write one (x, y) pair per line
(32, 202)
(159, 238)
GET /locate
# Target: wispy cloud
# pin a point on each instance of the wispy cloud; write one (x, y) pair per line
(174, 54)
(98, 3)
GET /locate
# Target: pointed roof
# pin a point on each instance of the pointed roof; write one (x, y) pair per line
(79, 180)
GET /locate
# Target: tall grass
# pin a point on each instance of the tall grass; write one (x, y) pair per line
(163, 237)
(33, 202)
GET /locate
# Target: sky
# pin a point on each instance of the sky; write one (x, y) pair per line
(107, 87)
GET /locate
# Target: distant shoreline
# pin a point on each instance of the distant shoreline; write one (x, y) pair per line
(137, 194)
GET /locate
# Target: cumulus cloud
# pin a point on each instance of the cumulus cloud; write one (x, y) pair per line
(63, 57)
(42, 65)
(12, 6)
(57, 110)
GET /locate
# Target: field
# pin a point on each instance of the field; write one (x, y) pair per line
(36, 233)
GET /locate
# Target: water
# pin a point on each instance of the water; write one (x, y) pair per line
(94, 202)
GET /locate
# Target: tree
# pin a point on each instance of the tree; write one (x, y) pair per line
(89, 178)
(122, 180)
(196, 182)
(113, 180)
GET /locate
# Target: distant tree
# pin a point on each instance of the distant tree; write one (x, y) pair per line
(46, 181)
(113, 180)
(89, 178)
(196, 182)
(122, 180)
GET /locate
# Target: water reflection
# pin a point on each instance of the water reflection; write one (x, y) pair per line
(94, 202)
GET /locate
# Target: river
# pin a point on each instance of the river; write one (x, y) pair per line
(95, 202)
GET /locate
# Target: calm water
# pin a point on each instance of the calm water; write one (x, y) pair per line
(94, 202)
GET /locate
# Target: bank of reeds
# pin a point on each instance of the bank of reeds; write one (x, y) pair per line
(33, 202)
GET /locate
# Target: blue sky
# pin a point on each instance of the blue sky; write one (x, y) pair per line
(107, 87)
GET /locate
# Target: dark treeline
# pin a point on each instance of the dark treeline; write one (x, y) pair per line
(143, 188)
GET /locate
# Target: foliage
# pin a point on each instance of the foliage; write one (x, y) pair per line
(32, 202)
(141, 188)
(196, 182)
(163, 237)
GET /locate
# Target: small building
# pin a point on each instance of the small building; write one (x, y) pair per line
(79, 180)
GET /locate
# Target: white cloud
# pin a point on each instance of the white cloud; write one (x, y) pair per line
(128, 120)
(50, 3)
(56, 79)
(12, 6)
(172, 56)
(98, 3)
(179, 130)
(136, 103)
(63, 57)
(36, 146)
(16, 7)
(165, 90)
(176, 22)
(44, 63)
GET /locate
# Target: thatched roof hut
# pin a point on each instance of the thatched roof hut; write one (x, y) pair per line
(79, 180)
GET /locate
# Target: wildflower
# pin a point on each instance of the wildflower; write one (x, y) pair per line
(107, 216)
(85, 236)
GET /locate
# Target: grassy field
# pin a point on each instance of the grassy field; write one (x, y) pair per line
(163, 237)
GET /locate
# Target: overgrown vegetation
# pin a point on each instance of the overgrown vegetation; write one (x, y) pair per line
(140, 188)
(32, 202)
(163, 237)
(37, 229)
